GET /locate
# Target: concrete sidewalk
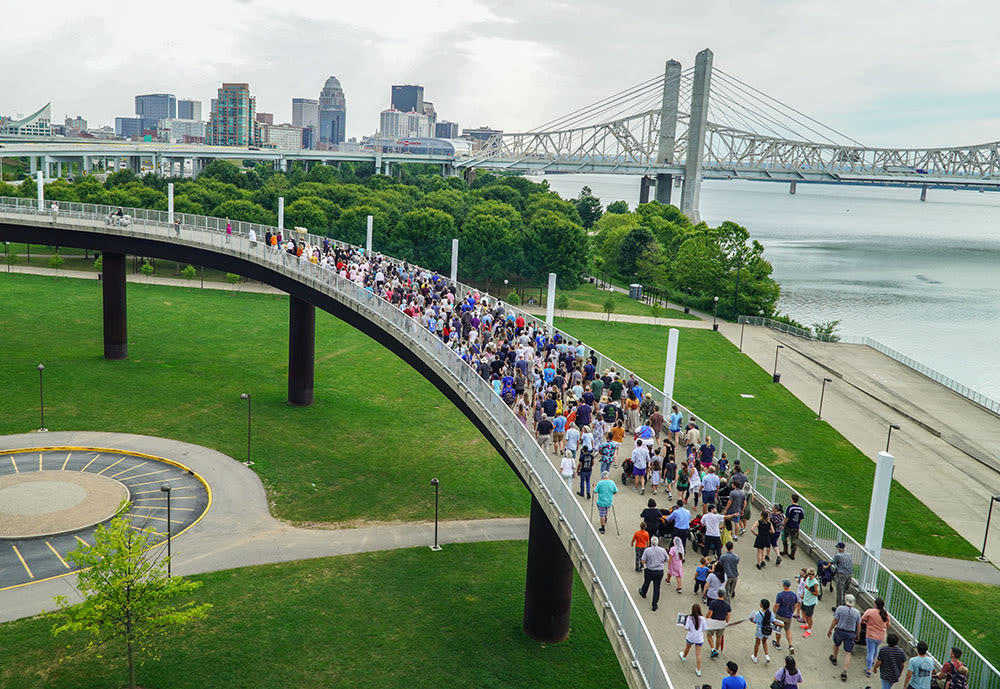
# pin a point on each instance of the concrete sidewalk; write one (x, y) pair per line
(621, 318)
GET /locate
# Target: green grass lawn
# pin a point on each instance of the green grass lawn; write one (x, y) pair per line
(969, 608)
(366, 450)
(406, 618)
(588, 297)
(775, 427)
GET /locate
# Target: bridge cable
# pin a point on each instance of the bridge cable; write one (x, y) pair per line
(558, 121)
(785, 126)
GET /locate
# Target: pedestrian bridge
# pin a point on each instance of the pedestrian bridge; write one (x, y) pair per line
(562, 535)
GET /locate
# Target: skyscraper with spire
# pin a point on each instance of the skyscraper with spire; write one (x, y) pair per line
(332, 113)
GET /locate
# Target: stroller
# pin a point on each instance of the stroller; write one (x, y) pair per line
(825, 572)
(627, 467)
(118, 220)
(697, 534)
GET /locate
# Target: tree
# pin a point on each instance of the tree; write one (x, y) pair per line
(233, 279)
(562, 302)
(636, 243)
(245, 211)
(99, 263)
(147, 270)
(589, 207)
(424, 237)
(305, 213)
(189, 272)
(557, 245)
(224, 171)
(609, 306)
(488, 249)
(127, 594)
(618, 207)
(699, 265)
(56, 261)
(827, 332)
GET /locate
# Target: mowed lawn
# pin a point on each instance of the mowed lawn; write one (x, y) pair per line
(775, 427)
(407, 618)
(365, 451)
(588, 297)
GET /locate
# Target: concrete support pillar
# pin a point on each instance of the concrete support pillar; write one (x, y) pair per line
(550, 301)
(59, 169)
(86, 165)
(33, 163)
(46, 167)
(170, 200)
(668, 128)
(40, 192)
(115, 312)
(548, 582)
(923, 193)
(670, 372)
(281, 212)
(454, 260)
(368, 234)
(470, 175)
(697, 124)
(644, 184)
(791, 188)
(301, 351)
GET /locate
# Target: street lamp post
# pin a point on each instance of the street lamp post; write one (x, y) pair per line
(41, 398)
(246, 396)
(892, 427)
(715, 313)
(989, 516)
(776, 377)
(166, 489)
(819, 414)
(435, 482)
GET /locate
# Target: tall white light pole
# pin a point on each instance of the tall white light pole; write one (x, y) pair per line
(876, 515)
(170, 200)
(281, 215)
(454, 260)
(40, 177)
(368, 235)
(669, 373)
(550, 302)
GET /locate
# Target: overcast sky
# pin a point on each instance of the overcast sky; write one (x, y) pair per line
(912, 73)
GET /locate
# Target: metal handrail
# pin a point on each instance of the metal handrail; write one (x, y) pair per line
(912, 617)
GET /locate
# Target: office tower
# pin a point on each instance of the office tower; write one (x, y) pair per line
(394, 124)
(332, 113)
(156, 106)
(408, 98)
(265, 117)
(233, 121)
(446, 130)
(188, 109)
(305, 114)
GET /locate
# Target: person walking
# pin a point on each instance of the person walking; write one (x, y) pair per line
(713, 534)
(951, 671)
(640, 460)
(653, 558)
(844, 630)
(762, 531)
(875, 622)
(890, 662)
(809, 600)
(719, 614)
(733, 680)
(543, 433)
(605, 491)
(734, 509)
(695, 627)
(568, 469)
(584, 469)
(709, 489)
(674, 430)
(607, 451)
(789, 676)
(675, 565)
(784, 611)
(920, 669)
(794, 515)
(764, 619)
(681, 521)
(640, 541)
(731, 567)
(229, 231)
(845, 571)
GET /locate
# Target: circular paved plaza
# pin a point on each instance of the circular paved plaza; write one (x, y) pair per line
(52, 500)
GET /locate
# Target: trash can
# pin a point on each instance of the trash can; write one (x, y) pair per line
(635, 291)
(776, 378)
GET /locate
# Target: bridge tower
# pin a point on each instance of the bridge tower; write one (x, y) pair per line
(697, 125)
(668, 127)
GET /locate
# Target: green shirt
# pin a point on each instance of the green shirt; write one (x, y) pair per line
(809, 598)
(616, 388)
(597, 387)
(605, 491)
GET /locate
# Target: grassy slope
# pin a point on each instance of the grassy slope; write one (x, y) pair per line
(775, 427)
(588, 297)
(408, 618)
(363, 451)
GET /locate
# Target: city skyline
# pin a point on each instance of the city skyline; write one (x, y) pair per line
(502, 65)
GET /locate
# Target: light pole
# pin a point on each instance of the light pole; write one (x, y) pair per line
(819, 414)
(989, 516)
(166, 489)
(435, 482)
(41, 398)
(892, 427)
(246, 396)
(776, 377)
(715, 313)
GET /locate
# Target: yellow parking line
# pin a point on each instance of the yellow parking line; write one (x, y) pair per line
(125, 471)
(149, 483)
(68, 455)
(149, 473)
(157, 507)
(161, 519)
(151, 492)
(16, 470)
(82, 541)
(139, 528)
(56, 553)
(112, 465)
(91, 462)
(175, 497)
(25, 564)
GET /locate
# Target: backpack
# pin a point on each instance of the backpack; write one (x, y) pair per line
(958, 680)
(586, 460)
(766, 628)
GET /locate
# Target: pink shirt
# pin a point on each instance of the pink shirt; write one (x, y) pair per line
(876, 628)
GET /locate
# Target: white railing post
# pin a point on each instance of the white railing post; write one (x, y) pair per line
(670, 371)
(41, 190)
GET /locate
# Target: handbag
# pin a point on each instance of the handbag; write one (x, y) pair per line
(777, 683)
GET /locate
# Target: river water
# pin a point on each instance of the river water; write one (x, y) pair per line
(922, 278)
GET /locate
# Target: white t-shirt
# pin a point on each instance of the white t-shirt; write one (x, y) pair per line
(640, 457)
(568, 466)
(695, 635)
(572, 438)
(712, 522)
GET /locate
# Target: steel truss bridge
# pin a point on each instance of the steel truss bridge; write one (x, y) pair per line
(702, 123)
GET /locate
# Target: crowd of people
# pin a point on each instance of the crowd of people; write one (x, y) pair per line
(592, 419)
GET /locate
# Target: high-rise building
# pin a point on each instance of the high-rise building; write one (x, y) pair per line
(133, 127)
(188, 109)
(77, 123)
(265, 117)
(483, 134)
(233, 120)
(408, 98)
(446, 130)
(156, 106)
(284, 137)
(394, 124)
(305, 114)
(332, 113)
(177, 130)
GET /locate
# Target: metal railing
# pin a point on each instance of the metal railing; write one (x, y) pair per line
(209, 233)
(938, 377)
(913, 618)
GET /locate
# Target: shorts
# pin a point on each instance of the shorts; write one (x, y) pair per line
(842, 637)
(638, 472)
(708, 497)
(787, 621)
(558, 437)
(807, 610)
(695, 643)
(717, 633)
(602, 510)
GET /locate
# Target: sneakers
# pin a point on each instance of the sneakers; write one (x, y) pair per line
(791, 650)
(642, 593)
(601, 529)
(804, 626)
(807, 633)
(868, 673)
(777, 645)
(681, 654)
(714, 654)
(833, 660)
(697, 672)
(767, 658)
(753, 658)
(776, 562)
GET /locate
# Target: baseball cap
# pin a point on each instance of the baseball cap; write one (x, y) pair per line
(841, 545)
(786, 582)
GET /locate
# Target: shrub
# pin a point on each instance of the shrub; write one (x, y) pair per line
(189, 272)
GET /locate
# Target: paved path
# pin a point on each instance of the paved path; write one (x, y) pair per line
(622, 318)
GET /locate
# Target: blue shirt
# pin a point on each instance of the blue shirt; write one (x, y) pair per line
(733, 682)
(701, 573)
(675, 424)
(784, 603)
(560, 423)
(710, 483)
(605, 491)
(682, 518)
